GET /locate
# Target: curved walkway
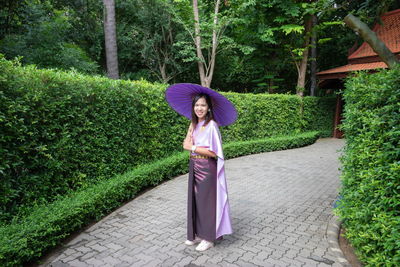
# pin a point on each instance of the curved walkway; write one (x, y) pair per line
(280, 201)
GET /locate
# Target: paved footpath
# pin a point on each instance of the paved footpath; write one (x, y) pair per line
(281, 203)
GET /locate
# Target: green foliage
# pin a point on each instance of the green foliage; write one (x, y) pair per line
(147, 33)
(27, 239)
(267, 27)
(242, 148)
(61, 131)
(262, 115)
(318, 114)
(69, 34)
(370, 208)
(44, 43)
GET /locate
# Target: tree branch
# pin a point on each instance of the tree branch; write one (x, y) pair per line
(370, 37)
(198, 42)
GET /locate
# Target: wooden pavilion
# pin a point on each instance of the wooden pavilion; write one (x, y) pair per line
(363, 58)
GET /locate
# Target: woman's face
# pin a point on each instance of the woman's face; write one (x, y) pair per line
(201, 108)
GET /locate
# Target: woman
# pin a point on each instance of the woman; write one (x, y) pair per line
(208, 207)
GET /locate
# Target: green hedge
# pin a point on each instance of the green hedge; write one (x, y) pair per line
(370, 207)
(318, 114)
(61, 131)
(27, 239)
(263, 116)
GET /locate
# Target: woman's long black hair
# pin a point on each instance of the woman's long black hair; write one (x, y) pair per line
(209, 115)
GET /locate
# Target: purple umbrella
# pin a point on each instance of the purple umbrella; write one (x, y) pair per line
(180, 96)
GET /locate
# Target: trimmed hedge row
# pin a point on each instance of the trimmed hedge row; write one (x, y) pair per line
(370, 207)
(318, 114)
(29, 238)
(61, 131)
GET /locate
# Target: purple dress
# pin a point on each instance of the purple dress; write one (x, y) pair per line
(208, 206)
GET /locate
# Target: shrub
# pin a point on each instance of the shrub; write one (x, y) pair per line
(61, 131)
(318, 114)
(370, 208)
(28, 238)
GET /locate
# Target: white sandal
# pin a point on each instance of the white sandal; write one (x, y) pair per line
(191, 243)
(204, 245)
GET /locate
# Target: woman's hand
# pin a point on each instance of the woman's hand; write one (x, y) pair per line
(187, 144)
(190, 131)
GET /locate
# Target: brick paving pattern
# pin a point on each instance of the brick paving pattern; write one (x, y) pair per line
(281, 203)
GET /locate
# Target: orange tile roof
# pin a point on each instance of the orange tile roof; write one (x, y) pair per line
(355, 67)
(388, 32)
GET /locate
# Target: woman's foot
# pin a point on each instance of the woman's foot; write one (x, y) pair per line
(204, 245)
(191, 243)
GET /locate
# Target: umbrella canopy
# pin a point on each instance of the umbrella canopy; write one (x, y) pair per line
(180, 96)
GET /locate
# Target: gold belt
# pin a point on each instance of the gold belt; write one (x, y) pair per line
(200, 157)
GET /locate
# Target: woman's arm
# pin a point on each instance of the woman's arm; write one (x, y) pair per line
(187, 145)
(205, 152)
(189, 132)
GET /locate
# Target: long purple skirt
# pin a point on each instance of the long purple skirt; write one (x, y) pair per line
(202, 196)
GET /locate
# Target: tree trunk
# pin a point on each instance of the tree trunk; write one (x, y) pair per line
(271, 86)
(313, 63)
(163, 72)
(198, 43)
(214, 46)
(206, 69)
(370, 37)
(301, 80)
(110, 37)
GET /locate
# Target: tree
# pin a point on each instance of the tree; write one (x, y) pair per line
(301, 65)
(284, 27)
(156, 33)
(313, 67)
(261, 63)
(206, 25)
(110, 37)
(39, 34)
(206, 67)
(310, 8)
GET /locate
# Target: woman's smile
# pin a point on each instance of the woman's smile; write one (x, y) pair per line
(200, 108)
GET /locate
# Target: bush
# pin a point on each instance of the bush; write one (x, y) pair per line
(318, 114)
(61, 131)
(262, 115)
(28, 238)
(370, 208)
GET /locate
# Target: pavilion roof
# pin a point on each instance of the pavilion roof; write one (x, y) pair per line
(364, 58)
(388, 32)
(341, 72)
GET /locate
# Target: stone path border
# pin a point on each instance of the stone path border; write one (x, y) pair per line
(332, 233)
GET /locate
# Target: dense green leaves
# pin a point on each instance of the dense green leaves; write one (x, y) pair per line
(155, 38)
(370, 208)
(318, 114)
(64, 131)
(45, 41)
(27, 239)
